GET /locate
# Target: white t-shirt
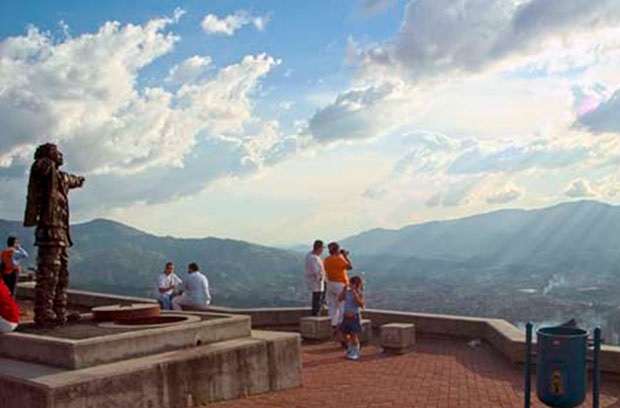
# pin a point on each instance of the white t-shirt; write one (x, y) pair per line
(165, 281)
(315, 273)
(196, 289)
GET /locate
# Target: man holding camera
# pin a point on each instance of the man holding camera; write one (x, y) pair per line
(336, 266)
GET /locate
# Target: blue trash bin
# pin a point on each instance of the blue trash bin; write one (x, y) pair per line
(561, 369)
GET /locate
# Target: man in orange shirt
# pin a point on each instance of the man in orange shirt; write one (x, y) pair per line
(336, 266)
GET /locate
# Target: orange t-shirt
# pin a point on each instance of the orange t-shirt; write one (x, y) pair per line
(336, 268)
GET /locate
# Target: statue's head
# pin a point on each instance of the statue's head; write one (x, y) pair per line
(49, 151)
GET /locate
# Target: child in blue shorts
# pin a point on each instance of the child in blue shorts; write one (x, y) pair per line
(351, 326)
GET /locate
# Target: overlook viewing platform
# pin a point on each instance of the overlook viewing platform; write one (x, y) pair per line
(455, 362)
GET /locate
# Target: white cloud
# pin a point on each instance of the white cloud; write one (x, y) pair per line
(190, 70)
(510, 192)
(443, 171)
(82, 93)
(212, 24)
(440, 37)
(580, 187)
(363, 113)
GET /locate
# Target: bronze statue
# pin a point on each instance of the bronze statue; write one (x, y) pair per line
(47, 208)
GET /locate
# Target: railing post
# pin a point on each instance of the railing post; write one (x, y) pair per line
(596, 369)
(528, 363)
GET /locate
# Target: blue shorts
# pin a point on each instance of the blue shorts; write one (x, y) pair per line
(351, 325)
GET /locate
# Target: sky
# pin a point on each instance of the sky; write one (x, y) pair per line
(279, 122)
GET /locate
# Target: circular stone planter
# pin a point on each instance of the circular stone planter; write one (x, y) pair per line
(151, 322)
(129, 312)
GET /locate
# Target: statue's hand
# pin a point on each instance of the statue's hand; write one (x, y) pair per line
(81, 181)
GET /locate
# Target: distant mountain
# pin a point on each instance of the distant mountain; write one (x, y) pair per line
(111, 257)
(577, 229)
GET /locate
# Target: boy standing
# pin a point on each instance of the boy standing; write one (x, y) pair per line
(351, 326)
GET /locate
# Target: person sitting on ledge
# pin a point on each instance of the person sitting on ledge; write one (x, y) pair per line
(9, 311)
(166, 283)
(195, 293)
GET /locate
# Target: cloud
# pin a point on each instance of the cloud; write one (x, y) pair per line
(443, 44)
(580, 188)
(190, 70)
(443, 37)
(431, 152)
(228, 25)
(510, 158)
(437, 170)
(604, 117)
(362, 113)
(133, 143)
(507, 194)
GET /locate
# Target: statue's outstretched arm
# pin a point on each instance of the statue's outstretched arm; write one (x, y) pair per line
(74, 181)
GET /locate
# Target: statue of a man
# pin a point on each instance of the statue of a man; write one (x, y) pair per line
(47, 208)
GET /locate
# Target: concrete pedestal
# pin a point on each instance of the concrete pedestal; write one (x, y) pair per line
(315, 328)
(227, 362)
(397, 337)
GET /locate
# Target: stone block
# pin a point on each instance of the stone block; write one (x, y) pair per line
(315, 328)
(366, 331)
(397, 337)
(284, 355)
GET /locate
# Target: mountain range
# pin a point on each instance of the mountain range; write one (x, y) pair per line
(583, 228)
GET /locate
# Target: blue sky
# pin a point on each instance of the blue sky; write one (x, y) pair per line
(281, 121)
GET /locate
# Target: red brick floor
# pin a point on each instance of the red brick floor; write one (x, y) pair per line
(440, 372)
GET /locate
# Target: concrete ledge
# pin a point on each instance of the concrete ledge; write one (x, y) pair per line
(500, 334)
(270, 317)
(75, 354)
(366, 331)
(458, 326)
(84, 298)
(506, 339)
(226, 370)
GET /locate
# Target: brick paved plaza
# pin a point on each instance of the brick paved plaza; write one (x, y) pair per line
(440, 372)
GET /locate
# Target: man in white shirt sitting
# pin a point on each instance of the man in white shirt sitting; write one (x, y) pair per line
(166, 283)
(195, 292)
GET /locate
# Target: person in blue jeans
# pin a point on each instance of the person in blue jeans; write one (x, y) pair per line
(166, 283)
(351, 326)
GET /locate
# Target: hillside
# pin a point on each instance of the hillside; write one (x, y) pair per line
(584, 229)
(112, 257)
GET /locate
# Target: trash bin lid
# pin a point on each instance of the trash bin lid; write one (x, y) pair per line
(559, 331)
